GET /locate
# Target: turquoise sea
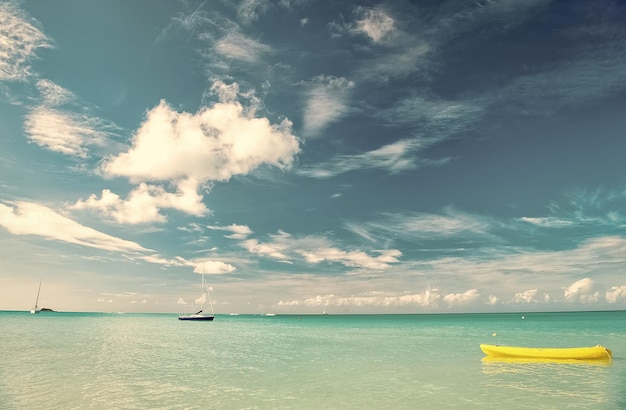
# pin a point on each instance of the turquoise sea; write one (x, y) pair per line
(154, 361)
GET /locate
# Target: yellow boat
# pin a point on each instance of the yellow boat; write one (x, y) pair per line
(577, 353)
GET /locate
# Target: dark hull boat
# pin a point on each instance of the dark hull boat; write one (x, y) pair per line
(196, 317)
(200, 315)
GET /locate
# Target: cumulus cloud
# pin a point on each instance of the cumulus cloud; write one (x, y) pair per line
(530, 296)
(213, 267)
(615, 294)
(461, 299)
(214, 144)
(144, 203)
(28, 218)
(19, 41)
(427, 299)
(188, 151)
(327, 101)
(582, 291)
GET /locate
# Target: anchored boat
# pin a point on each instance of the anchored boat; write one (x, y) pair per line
(577, 353)
(201, 315)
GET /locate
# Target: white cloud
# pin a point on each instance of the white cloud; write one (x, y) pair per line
(547, 222)
(158, 260)
(427, 299)
(271, 250)
(315, 250)
(615, 294)
(249, 11)
(238, 231)
(375, 23)
(353, 259)
(213, 267)
(461, 299)
(212, 145)
(326, 103)
(144, 203)
(62, 131)
(527, 296)
(27, 218)
(395, 158)
(189, 150)
(449, 224)
(239, 47)
(582, 291)
(53, 94)
(19, 41)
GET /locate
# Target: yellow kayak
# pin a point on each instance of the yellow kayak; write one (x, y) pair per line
(578, 353)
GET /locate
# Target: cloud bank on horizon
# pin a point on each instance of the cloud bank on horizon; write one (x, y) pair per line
(355, 158)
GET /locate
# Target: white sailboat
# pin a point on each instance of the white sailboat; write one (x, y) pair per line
(201, 315)
(35, 310)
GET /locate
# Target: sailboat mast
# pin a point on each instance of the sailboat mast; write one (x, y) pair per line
(38, 290)
(202, 297)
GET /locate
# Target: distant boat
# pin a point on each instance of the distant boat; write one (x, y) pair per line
(201, 315)
(36, 310)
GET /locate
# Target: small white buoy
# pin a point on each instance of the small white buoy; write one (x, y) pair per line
(522, 317)
(493, 334)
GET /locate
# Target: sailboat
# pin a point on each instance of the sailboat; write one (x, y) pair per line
(35, 310)
(201, 315)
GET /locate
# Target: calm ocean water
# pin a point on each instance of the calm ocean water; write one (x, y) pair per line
(154, 361)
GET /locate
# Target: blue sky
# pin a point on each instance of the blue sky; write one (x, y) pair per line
(392, 157)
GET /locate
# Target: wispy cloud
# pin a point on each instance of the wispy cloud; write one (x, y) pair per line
(327, 101)
(28, 218)
(250, 10)
(393, 158)
(240, 47)
(239, 232)
(316, 249)
(20, 38)
(64, 131)
(189, 20)
(53, 94)
(599, 208)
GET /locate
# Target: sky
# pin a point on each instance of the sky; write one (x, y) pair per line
(353, 157)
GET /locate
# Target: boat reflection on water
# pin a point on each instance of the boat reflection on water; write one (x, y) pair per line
(503, 360)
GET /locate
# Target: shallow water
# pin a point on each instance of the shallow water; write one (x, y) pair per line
(106, 361)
